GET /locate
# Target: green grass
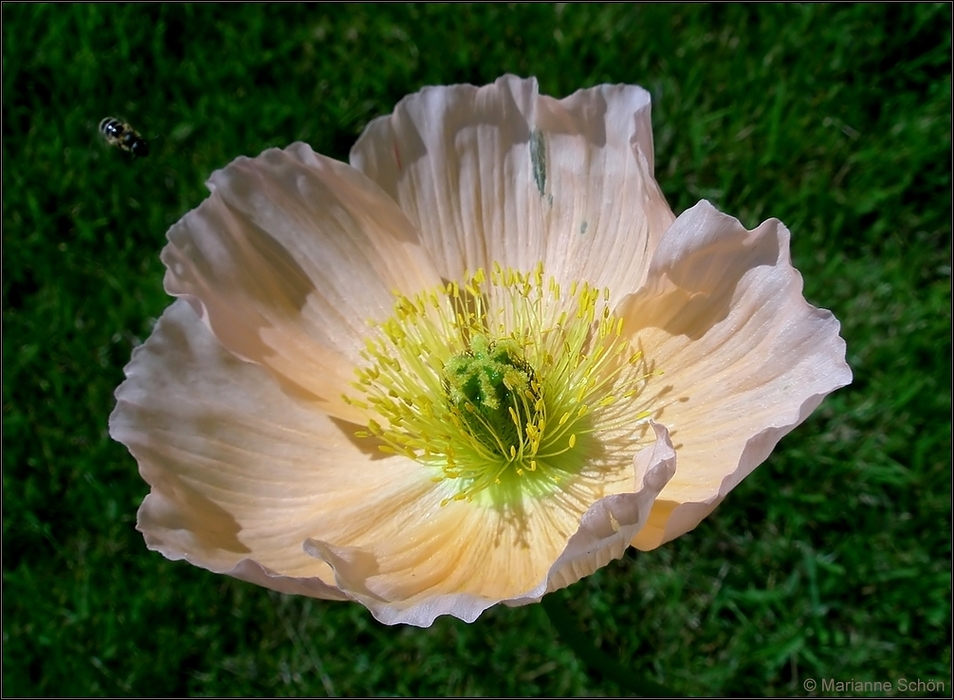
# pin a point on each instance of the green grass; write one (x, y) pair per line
(833, 560)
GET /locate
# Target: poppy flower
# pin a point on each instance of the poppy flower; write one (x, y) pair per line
(469, 368)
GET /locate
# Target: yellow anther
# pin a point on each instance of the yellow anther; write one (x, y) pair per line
(565, 362)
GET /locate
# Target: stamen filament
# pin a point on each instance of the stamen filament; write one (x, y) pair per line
(463, 379)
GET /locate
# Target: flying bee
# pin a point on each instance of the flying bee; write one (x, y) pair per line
(119, 133)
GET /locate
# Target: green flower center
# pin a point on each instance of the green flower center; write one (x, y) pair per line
(492, 389)
(505, 386)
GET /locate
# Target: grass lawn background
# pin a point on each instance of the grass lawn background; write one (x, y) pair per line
(832, 561)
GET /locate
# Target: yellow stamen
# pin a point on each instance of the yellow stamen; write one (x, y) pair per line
(463, 379)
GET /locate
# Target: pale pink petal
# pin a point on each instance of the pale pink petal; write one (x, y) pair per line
(463, 557)
(457, 161)
(606, 213)
(502, 174)
(459, 560)
(610, 525)
(288, 260)
(744, 358)
(241, 473)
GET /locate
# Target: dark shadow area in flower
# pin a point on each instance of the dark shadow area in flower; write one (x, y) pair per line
(369, 446)
(552, 119)
(702, 283)
(410, 146)
(300, 394)
(353, 566)
(269, 269)
(174, 506)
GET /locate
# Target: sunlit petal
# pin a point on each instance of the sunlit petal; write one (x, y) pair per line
(288, 260)
(502, 174)
(745, 358)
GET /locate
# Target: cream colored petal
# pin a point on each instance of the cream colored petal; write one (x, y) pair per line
(609, 526)
(457, 161)
(500, 173)
(287, 261)
(461, 558)
(606, 213)
(457, 559)
(241, 474)
(744, 358)
(179, 533)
